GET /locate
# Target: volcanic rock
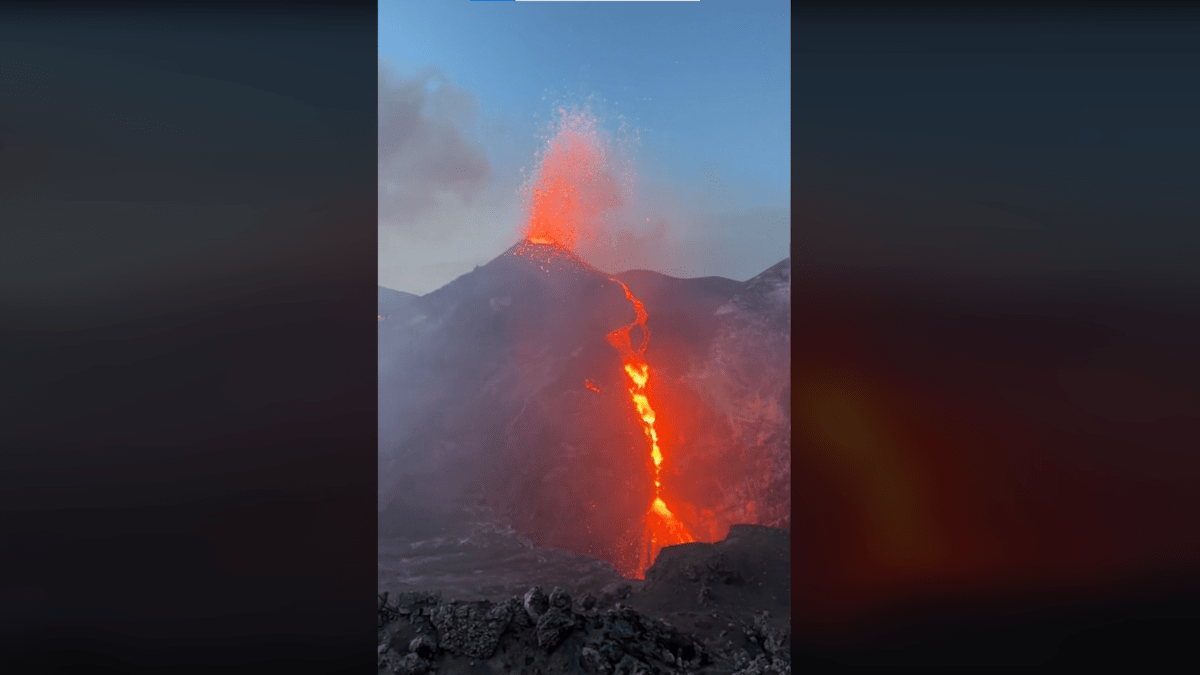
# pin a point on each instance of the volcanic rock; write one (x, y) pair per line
(631, 666)
(763, 665)
(486, 638)
(560, 599)
(611, 650)
(774, 642)
(552, 627)
(411, 664)
(470, 629)
(591, 660)
(751, 563)
(520, 616)
(536, 602)
(424, 646)
(588, 601)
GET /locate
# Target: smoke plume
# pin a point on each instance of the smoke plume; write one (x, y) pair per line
(428, 163)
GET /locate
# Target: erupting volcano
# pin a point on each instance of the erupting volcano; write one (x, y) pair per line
(526, 397)
(570, 194)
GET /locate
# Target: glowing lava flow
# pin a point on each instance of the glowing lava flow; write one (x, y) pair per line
(662, 527)
(574, 186)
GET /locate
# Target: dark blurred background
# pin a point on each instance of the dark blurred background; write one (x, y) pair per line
(187, 331)
(996, 333)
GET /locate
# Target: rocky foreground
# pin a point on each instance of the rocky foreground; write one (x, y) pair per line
(706, 609)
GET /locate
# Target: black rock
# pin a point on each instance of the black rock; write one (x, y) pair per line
(389, 640)
(591, 660)
(413, 602)
(411, 664)
(424, 646)
(761, 665)
(502, 614)
(470, 630)
(631, 666)
(536, 602)
(588, 601)
(719, 569)
(520, 616)
(387, 613)
(775, 643)
(552, 627)
(615, 641)
(560, 599)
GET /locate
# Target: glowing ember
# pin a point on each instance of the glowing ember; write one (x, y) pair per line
(574, 184)
(591, 385)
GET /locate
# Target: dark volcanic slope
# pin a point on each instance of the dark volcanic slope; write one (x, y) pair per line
(700, 588)
(720, 351)
(483, 396)
(482, 391)
(682, 319)
(744, 379)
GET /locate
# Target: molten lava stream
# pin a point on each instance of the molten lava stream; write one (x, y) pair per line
(573, 188)
(662, 527)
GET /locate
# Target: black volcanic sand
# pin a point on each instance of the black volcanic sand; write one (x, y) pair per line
(708, 609)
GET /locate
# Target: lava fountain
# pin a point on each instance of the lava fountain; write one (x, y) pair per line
(567, 198)
(574, 186)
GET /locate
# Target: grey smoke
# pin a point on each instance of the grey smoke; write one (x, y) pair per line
(426, 155)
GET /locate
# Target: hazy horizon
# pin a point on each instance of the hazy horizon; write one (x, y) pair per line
(616, 272)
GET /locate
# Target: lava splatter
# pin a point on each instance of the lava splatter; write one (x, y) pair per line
(575, 184)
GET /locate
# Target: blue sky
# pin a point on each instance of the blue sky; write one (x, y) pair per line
(704, 86)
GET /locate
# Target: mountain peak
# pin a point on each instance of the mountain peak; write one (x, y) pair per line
(546, 252)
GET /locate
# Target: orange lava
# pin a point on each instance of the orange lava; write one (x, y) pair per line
(662, 527)
(574, 184)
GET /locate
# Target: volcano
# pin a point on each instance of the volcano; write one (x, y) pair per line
(508, 389)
